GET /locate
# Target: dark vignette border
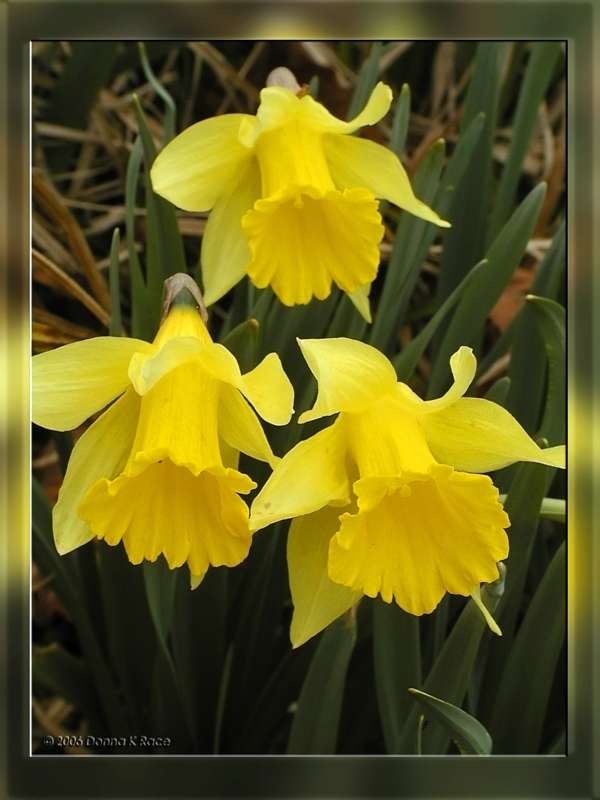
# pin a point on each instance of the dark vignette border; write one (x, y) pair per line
(233, 776)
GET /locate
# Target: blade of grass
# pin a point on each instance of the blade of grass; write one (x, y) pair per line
(116, 326)
(170, 111)
(142, 315)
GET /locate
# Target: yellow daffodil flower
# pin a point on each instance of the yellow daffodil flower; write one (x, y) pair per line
(293, 196)
(158, 469)
(388, 500)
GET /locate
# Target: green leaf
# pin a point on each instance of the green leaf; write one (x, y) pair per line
(528, 368)
(407, 254)
(529, 486)
(199, 644)
(170, 707)
(406, 361)
(468, 321)
(143, 317)
(255, 617)
(550, 274)
(498, 391)
(538, 641)
(131, 637)
(537, 78)
(400, 121)
(464, 243)
(169, 125)
(61, 673)
(452, 669)
(414, 238)
(268, 714)
(242, 341)
(467, 732)
(65, 581)
(165, 254)
(550, 318)
(160, 582)
(397, 662)
(316, 721)
(367, 78)
(116, 326)
(84, 74)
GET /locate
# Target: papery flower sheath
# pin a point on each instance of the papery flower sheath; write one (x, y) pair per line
(158, 469)
(293, 196)
(388, 500)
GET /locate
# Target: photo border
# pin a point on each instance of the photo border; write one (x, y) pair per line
(302, 776)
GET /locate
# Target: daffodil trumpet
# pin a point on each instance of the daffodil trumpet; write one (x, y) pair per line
(389, 500)
(293, 195)
(158, 469)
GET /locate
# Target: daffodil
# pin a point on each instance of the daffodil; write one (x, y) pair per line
(388, 500)
(293, 196)
(158, 469)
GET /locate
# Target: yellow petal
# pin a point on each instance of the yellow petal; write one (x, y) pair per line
(71, 383)
(178, 420)
(360, 300)
(181, 321)
(385, 439)
(225, 251)
(277, 107)
(311, 475)
(361, 162)
(167, 510)
(463, 365)
(376, 108)
(146, 370)
(269, 390)
(201, 164)
(350, 374)
(240, 428)
(196, 580)
(302, 239)
(317, 600)
(415, 539)
(280, 106)
(100, 453)
(477, 435)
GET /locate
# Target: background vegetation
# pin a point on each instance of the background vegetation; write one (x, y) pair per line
(121, 650)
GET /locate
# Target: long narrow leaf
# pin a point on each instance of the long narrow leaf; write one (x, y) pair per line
(503, 257)
(397, 662)
(316, 721)
(539, 641)
(467, 732)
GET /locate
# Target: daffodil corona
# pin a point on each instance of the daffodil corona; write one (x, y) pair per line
(293, 196)
(158, 469)
(388, 500)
